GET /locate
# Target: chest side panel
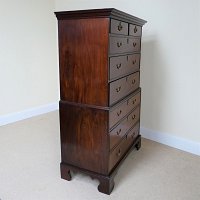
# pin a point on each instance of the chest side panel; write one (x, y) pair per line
(84, 137)
(83, 60)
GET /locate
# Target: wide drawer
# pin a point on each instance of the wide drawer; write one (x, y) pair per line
(118, 27)
(124, 45)
(121, 110)
(135, 30)
(120, 130)
(121, 65)
(123, 87)
(117, 154)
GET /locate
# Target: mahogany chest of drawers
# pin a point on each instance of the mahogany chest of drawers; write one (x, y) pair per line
(99, 63)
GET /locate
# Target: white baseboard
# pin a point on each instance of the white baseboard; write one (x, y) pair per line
(17, 116)
(172, 141)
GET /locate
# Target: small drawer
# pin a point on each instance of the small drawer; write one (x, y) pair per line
(118, 89)
(135, 30)
(118, 132)
(134, 116)
(134, 44)
(133, 133)
(133, 62)
(133, 101)
(117, 114)
(118, 66)
(118, 27)
(133, 81)
(119, 45)
(118, 153)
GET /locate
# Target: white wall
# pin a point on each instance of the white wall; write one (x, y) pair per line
(28, 55)
(170, 61)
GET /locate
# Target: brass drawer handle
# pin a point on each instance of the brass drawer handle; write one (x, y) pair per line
(119, 113)
(119, 152)
(133, 117)
(134, 61)
(118, 65)
(135, 29)
(118, 89)
(119, 44)
(134, 44)
(133, 81)
(119, 131)
(120, 27)
(134, 101)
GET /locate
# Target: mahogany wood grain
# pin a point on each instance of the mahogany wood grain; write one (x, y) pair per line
(83, 57)
(99, 63)
(84, 137)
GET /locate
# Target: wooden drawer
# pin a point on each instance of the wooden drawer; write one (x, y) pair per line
(119, 45)
(118, 89)
(133, 62)
(135, 30)
(121, 65)
(133, 133)
(133, 101)
(121, 149)
(123, 87)
(133, 81)
(134, 116)
(119, 131)
(118, 27)
(134, 44)
(120, 111)
(117, 114)
(118, 66)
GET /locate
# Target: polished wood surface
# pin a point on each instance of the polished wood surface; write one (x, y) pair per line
(83, 59)
(99, 63)
(84, 138)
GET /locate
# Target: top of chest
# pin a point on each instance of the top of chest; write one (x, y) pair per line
(112, 13)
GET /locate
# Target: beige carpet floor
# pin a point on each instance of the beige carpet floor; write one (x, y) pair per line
(29, 168)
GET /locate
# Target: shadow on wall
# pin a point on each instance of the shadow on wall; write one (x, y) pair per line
(153, 77)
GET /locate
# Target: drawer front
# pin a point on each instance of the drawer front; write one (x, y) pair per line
(133, 62)
(133, 81)
(120, 150)
(134, 44)
(117, 114)
(123, 86)
(135, 30)
(118, 66)
(123, 109)
(119, 45)
(118, 27)
(123, 64)
(133, 133)
(133, 102)
(119, 131)
(134, 116)
(118, 89)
